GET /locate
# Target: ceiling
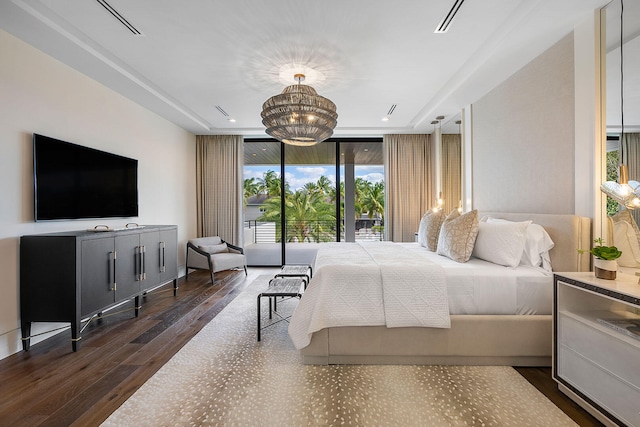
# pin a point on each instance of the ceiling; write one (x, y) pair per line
(200, 63)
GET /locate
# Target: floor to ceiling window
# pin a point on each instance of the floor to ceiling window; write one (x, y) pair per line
(333, 191)
(262, 202)
(362, 193)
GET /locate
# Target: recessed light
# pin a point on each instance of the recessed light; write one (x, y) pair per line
(385, 119)
(232, 120)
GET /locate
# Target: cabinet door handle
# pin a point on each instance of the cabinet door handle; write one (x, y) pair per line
(112, 271)
(143, 263)
(163, 267)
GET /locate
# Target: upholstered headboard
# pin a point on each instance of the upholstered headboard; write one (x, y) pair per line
(568, 232)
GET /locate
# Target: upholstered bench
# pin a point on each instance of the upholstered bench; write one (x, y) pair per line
(280, 287)
(303, 271)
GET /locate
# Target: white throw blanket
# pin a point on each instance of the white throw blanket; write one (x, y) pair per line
(370, 284)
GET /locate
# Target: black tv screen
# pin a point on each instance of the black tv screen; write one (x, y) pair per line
(76, 182)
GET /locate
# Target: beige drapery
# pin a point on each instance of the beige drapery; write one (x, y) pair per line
(630, 156)
(409, 165)
(451, 171)
(219, 179)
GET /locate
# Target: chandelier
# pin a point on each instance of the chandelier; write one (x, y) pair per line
(299, 116)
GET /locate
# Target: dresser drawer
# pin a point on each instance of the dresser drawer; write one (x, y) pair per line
(613, 394)
(605, 347)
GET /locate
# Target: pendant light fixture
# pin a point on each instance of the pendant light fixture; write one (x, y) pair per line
(299, 116)
(625, 192)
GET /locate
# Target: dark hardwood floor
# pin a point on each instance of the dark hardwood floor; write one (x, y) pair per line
(50, 385)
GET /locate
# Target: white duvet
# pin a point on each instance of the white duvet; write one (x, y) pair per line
(403, 284)
(368, 284)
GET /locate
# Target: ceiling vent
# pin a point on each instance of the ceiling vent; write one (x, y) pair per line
(224, 113)
(392, 109)
(120, 18)
(443, 26)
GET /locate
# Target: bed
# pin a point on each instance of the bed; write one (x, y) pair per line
(513, 333)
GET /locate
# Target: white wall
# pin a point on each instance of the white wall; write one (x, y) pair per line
(523, 138)
(38, 94)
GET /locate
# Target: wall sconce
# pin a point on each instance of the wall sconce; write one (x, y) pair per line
(439, 203)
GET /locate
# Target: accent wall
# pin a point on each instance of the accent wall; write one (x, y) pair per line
(39, 94)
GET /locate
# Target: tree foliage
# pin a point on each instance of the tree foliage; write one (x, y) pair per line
(310, 211)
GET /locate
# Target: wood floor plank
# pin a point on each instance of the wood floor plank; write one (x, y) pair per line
(74, 408)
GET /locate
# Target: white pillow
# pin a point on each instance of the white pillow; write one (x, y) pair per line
(626, 240)
(501, 242)
(537, 245)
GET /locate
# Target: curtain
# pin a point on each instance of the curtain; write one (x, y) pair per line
(451, 172)
(219, 179)
(409, 184)
(630, 156)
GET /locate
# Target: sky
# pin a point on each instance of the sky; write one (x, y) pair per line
(297, 176)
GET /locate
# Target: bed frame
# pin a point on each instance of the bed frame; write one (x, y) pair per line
(511, 340)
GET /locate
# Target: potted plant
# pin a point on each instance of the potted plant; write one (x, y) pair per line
(605, 264)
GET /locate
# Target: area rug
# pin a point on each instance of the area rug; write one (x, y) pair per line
(223, 376)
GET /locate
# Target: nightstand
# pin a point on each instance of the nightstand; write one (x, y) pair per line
(595, 361)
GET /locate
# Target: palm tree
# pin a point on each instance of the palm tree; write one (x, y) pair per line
(324, 185)
(311, 188)
(309, 217)
(251, 188)
(374, 200)
(270, 183)
(361, 188)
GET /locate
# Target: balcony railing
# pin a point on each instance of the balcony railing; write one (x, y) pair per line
(303, 232)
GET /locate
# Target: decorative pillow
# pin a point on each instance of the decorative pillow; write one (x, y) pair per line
(501, 242)
(458, 235)
(215, 249)
(430, 228)
(625, 238)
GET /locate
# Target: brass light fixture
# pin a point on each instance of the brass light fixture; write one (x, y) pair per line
(299, 116)
(625, 192)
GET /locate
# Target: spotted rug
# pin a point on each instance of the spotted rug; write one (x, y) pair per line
(223, 376)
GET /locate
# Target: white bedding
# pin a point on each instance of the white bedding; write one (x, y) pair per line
(347, 290)
(368, 284)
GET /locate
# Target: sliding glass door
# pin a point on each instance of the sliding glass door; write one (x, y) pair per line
(311, 217)
(297, 198)
(362, 196)
(263, 202)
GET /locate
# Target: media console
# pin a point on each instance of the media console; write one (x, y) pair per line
(71, 276)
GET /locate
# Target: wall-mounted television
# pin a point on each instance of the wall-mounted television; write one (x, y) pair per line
(76, 182)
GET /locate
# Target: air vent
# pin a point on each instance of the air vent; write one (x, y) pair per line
(120, 18)
(224, 113)
(443, 26)
(392, 109)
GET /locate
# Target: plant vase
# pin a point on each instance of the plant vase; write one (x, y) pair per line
(605, 269)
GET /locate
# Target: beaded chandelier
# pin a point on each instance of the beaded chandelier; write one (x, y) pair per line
(299, 116)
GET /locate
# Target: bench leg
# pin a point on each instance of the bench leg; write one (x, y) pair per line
(274, 302)
(259, 296)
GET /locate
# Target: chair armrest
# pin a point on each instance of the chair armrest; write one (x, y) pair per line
(234, 247)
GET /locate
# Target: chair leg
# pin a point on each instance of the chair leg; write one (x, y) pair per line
(245, 271)
(212, 281)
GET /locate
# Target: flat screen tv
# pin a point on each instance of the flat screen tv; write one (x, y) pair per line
(76, 182)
